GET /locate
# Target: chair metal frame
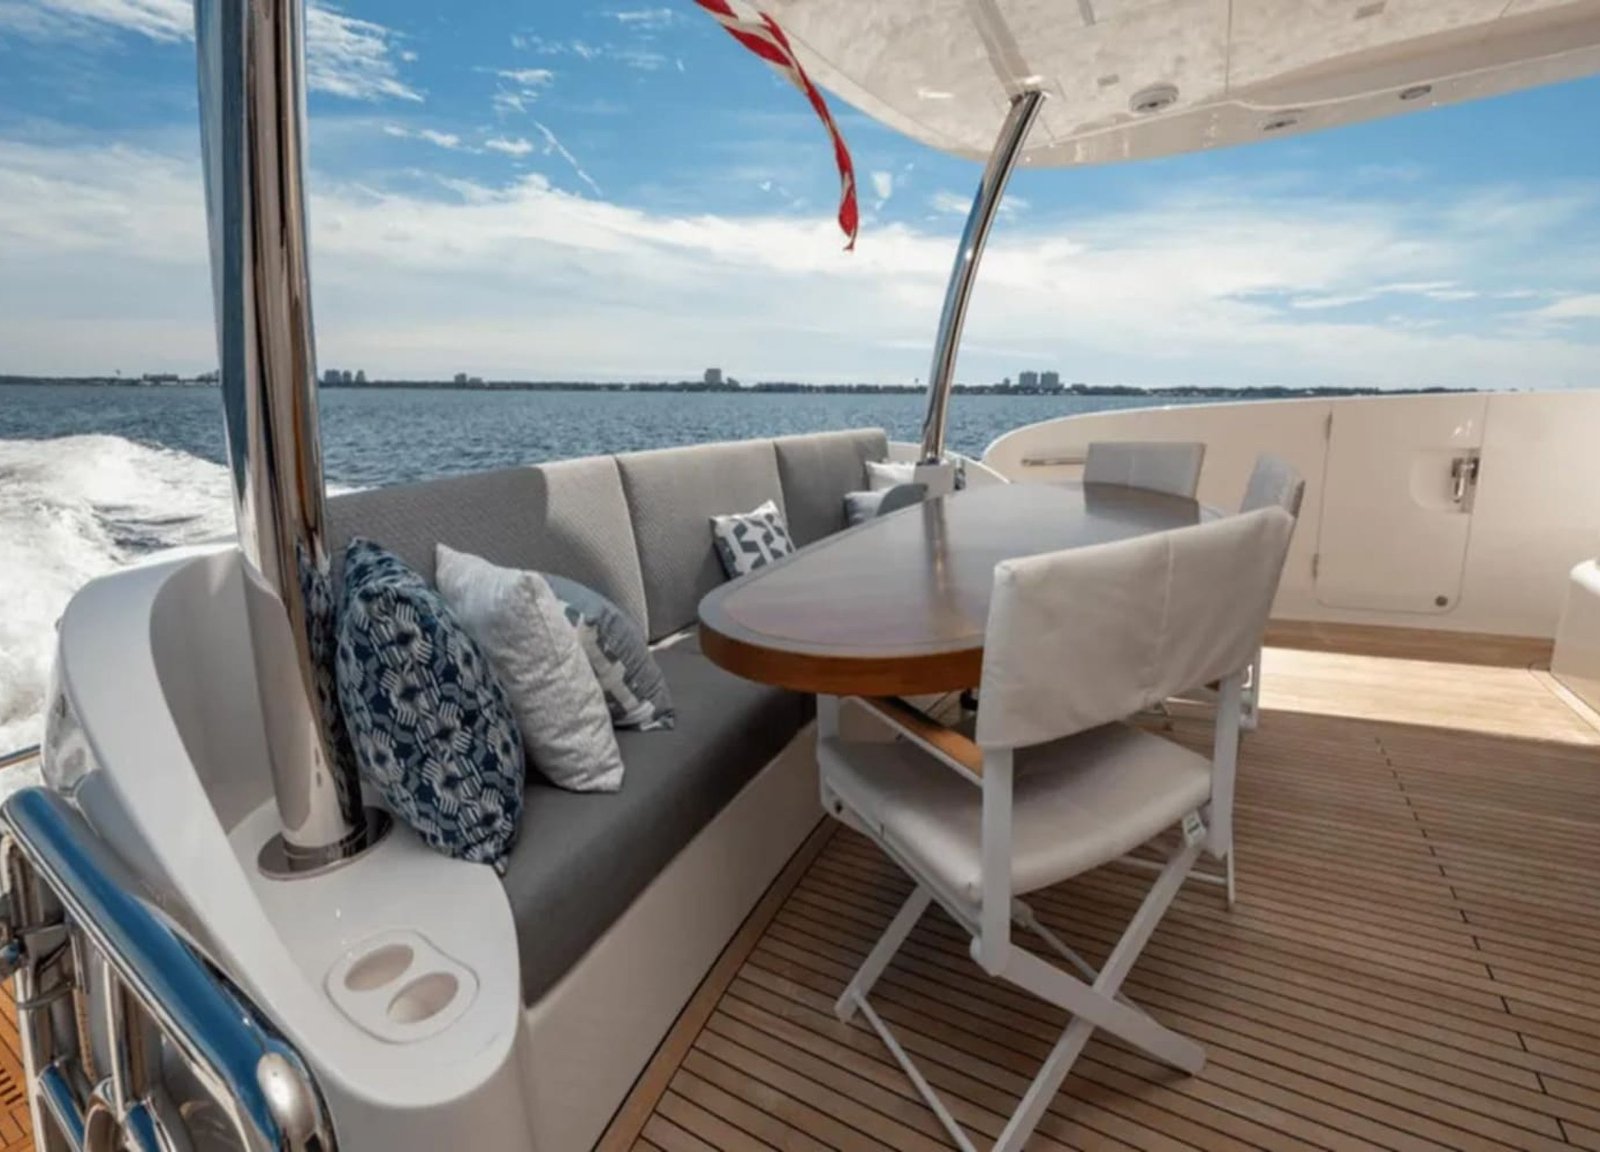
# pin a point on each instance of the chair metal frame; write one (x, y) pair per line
(1093, 997)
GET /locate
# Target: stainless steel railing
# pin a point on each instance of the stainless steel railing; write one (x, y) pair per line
(92, 959)
(18, 758)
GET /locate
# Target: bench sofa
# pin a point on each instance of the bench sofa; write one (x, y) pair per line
(622, 902)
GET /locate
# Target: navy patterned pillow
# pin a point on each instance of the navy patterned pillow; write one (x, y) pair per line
(432, 728)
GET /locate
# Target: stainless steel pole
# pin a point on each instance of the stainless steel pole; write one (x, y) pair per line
(252, 125)
(985, 205)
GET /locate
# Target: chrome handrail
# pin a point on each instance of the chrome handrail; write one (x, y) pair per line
(153, 974)
(20, 756)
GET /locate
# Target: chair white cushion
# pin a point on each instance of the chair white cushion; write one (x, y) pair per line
(559, 705)
(1160, 467)
(1077, 803)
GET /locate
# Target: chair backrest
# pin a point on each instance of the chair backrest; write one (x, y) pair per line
(1083, 637)
(1273, 482)
(1158, 466)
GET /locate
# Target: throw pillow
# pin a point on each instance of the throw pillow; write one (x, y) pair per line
(882, 477)
(636, 691)
(750, 540)
(560, 709)
(859, 507)
(430, 724)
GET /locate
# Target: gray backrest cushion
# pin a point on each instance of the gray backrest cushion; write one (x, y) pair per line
(672, 494)
(817, 470)
(569, 518)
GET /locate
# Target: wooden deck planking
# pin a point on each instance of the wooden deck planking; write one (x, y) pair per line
(1414, 963)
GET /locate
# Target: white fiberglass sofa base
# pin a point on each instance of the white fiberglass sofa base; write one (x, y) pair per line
(1577, 656)
(397, 975)
(591, 1035)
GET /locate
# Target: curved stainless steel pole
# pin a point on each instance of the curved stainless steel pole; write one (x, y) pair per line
(252, 123)
(985, 205)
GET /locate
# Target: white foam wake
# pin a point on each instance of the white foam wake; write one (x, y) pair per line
(72, 509)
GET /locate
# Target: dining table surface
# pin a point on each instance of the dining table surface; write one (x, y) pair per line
(897, 606)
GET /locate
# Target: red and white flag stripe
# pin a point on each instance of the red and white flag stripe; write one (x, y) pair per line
(760, 33)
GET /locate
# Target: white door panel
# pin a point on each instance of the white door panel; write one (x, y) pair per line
(1394, 535)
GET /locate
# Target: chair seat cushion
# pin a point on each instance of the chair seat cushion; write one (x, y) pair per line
(1077, 803)
(583, 858)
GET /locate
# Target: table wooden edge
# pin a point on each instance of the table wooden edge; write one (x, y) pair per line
(899, 674)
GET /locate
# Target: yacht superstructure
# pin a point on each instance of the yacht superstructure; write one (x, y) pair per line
(219, 938)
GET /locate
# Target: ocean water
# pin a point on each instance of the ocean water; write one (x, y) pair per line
(92, 477)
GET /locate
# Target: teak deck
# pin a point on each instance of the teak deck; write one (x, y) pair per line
(1414, 962)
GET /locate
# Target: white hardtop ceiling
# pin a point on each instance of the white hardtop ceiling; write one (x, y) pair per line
(943, 71)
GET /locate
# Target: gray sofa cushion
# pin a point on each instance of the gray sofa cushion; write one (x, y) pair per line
(569, 518)
(582, 858)
(672, 494)
(817, 471)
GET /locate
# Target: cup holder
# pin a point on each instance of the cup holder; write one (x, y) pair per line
(383, 966)
(399, 987)
(424, 998)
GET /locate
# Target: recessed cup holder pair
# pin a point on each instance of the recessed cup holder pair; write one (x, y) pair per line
(399, 987)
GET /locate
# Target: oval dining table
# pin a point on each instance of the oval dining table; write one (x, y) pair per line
(897, 606)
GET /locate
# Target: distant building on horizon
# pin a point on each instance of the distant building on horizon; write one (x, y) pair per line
(713, 377)
(1050, 381)
(1029, 380)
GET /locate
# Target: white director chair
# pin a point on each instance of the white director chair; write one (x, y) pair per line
(1158, 466)
(1273, 482)
(1055, 785)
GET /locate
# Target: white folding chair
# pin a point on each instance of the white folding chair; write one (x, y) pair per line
(1173, 468)
(1054, 785)
(1273, 483)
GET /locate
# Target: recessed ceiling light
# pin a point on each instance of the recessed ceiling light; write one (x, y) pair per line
(1416, 91)
(1153, 99)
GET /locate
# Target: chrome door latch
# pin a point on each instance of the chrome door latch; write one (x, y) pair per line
(1463, 477)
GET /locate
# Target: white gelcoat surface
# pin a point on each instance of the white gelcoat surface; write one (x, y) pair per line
(1577, 657)
(1535, 514)
(942, 71)
(279, 940)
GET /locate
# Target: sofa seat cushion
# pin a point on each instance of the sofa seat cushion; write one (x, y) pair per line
(582, 859)
(817, 470)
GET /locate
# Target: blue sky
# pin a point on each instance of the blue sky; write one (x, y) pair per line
(597, 191)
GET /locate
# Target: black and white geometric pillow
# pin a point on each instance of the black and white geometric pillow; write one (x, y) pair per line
(432, 728)
(750, 540)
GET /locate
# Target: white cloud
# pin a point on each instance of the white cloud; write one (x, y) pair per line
(552, 145)
(883, 186)
(443, 139)
(106, 267)
(629, 56)
(528, 77)
(646, 19)
(517, 147)
(352, 58)
(345, 56)
(1581, 307)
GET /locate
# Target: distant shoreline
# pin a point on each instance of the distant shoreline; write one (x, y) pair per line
(1267, 392)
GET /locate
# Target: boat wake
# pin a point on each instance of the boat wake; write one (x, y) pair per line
(72, 509)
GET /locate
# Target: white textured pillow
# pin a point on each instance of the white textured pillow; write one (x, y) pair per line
(559, 705)
(882, 477)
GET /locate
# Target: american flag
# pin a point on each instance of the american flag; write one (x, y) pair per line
(760, 33)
